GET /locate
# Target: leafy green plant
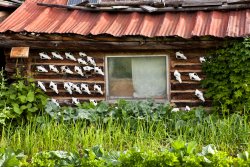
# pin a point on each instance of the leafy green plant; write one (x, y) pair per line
(122, 110)
(20, 100)
(228, 77)
(56, 159)
(97, 157)
(11, 158)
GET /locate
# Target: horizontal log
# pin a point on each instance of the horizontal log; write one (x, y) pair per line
(91, 38)
(184, 82)
(61, 63)
(188, 71)
(191, 103)
(185, 75)
(183, 96)
(107, 46)
(201, 3)
(69, 79)
(237, 1)
(186, 63)
(61, 87)
(67, 101)
(125, 3)
(63, 99)
(188, 95)
(36, 58)
(164, 9)
(185, 86)
(75, 94)
(88, 78)
(187, 67)
(185, 91)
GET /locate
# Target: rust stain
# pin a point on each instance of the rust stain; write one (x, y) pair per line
(33, 18)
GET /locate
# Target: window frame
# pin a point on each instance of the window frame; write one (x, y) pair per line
(132, 54)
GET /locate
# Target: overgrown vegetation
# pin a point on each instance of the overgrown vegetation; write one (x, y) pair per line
(180, 154)
(42, 133)
(122, 110)
(228, 77)
(21, 100)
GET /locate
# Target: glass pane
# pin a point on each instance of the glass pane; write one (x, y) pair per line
(120, 77)
(137, 77)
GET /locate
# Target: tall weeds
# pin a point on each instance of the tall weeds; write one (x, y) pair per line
(229, 134)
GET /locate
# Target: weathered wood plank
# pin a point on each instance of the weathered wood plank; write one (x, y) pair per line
(99, 38)
(185, 86)
(191, 103)
(237, 1)
(149, 9)
(107, 46)
(70, 79)
(187, 71)
(164, 9)
(183, 96)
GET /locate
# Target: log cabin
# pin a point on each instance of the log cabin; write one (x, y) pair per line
(133, 50)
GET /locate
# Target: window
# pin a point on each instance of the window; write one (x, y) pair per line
(137, 77)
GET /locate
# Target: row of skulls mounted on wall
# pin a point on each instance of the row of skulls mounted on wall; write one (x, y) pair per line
(71, 87)
(192, 76)
(86, 64)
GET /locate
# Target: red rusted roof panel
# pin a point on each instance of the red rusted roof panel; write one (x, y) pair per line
(33, 18)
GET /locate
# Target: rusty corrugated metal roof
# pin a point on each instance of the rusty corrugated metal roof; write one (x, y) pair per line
(33, 18)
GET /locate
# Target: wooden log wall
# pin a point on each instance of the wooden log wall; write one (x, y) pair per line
(181, 94)
(63, 97)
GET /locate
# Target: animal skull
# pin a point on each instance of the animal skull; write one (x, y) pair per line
(53, 68)
(85, 88)
(75, 101)
(78, 70)
(41, 85)
(82, 54)
(98, 89)
(202, 59)
(41, 69)
(194, 76)
(177, 76)
(44, 55)
(98, 70)
(57, 55)
(66, 69)
(93, 101)
(90, 60)
(199, 94)
(53, 86)
(70, 56)
(55, 102)
(187, 108)
(76, 88)
(87, 68)
(175, 110)
(68, 87)
(180, 55)
(81, 61)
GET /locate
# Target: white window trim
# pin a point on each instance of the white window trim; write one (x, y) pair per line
(132, 54)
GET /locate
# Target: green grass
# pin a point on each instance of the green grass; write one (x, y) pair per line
(230, 134)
